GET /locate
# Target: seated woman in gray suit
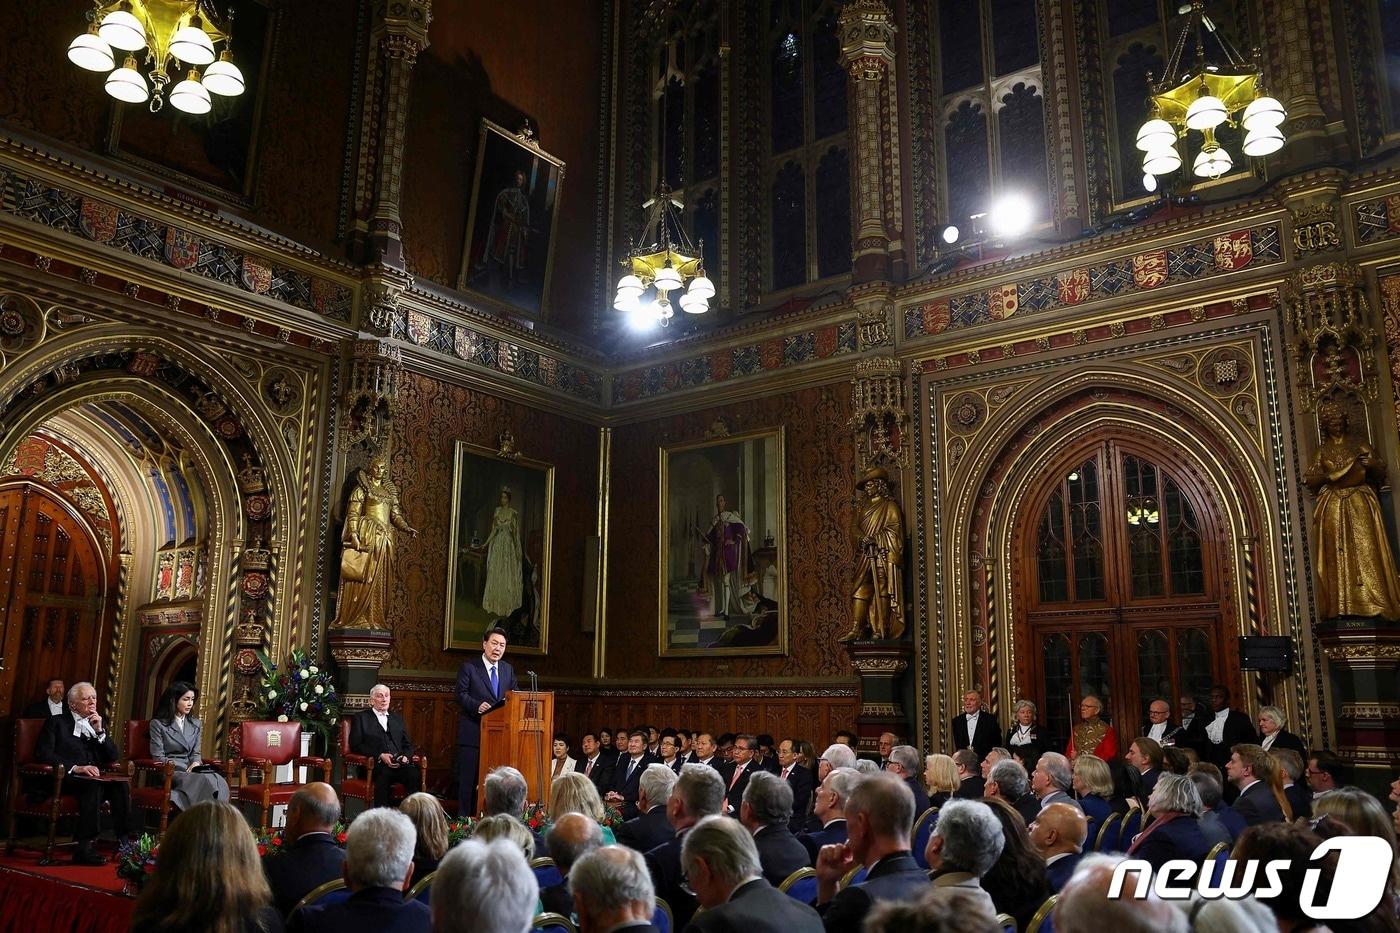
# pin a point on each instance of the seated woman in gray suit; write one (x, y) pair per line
(175, 737)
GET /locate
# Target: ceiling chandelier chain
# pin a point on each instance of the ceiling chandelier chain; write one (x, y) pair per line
(179, 37)
(1204, 98)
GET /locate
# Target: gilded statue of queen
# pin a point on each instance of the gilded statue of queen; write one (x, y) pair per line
(367, 554)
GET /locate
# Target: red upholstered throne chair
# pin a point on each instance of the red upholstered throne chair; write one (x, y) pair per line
(45, 779)
(357, 787)
(152, 780)
(266, 745)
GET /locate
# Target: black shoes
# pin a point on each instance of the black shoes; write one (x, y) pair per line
(87, 855)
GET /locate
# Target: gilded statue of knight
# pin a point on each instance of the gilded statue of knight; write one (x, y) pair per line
(876, 603)
(367, 554)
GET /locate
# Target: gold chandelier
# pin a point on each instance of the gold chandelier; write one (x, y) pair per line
(178, 36)
(661, 261)
(1203, 98)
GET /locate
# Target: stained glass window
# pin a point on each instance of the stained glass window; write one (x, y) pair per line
(833, 213)
(789, 227)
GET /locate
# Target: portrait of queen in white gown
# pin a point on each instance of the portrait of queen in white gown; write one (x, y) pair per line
(502, 594)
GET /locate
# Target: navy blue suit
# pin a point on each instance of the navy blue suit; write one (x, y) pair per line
(1058, 874)
(296, 871)
(473, 689)
(758, 907)
(916, 787)
(828, 835)
(896, 877)
(779, 853)
(630, 786)
(1256, 804)
(664, 863)
(1178, 838)
(1096, 810)
(647, 831)
(373, 910)
(1232, 821)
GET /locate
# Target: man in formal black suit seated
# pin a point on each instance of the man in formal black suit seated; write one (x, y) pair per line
(483, 886)
(380, 734)
(879, 821)
(378, 870)
(612, 891)
(904, 764)
(723, 867)
(571, 837)
(886, 744)
(699, 792)
(847, 738)
(1146, 756)
(705, 752)
(627, 775)
(798, 777)
(969, 773)
(1010, 782)
(651, 827)
(764, 755)
(740, 770)
(76, 741)
(837, 755)
(1059, 832)
(765, 811)
(309, 856)
(596, 764)
(1298, 794)
(1248, 764)
(829, 810)
(51, 705)
(974, 727)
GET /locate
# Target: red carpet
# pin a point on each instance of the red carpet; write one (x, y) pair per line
(61, 897)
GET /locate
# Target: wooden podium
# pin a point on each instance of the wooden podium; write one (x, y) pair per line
(519, 733)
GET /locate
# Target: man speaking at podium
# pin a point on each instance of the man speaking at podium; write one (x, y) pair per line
(482, 685)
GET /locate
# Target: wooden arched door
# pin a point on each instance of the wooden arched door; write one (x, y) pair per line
(51, 580)
(1121, 584)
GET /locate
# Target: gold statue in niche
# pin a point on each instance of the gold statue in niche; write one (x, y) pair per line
(367, 552)
(877, 602)
(1356, 576)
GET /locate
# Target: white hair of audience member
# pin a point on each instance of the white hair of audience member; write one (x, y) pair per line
(77, 688)
(907, 757)
(1084, 906)
(840, 756)
(700, 789)
(1058, 769)
(378, 848)
(482, 886)
(1219, 915)
(505, 791)
(769, 798)
(727, 848)
(1175, 793)
(1010, 778)
(972, 836)
(656, 782)
(866, 766)
(504, 826)
(842, 782)
(612, 877)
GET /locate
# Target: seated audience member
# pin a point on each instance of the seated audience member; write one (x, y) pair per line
(904, 763)
(669, 751)
(1052, 779)
(740, 771)
(1220, 915)
(379, 733)
(50, 705)
(650, 828)
(1146, 755)
(378, 870)
(605, 744)
(726, 748)
(1274, 734)
(1085, 907)
(1127, 788)
(1177, 760)
(836, 755)
(940, 779)
(596, 763)
(1363, 814)
(806, 755)
(1290, 768)
(1008, 781)
(176, 737)
(954, 910)
(765, 812)
(309, 856)
(684, 737)
(704, 753)
(763, 753)
(966, 841)
(572, 836)
(867, 766)
(1093, 782)
(991, 758)
(430, 824)
(77, 741)
(561, 761)
(829, 809)
(627, 775)
(1295, 844)
(573, 793)
(847, 738)
(879, 820)
(611, 890)
(1256, 774)
(207, 878)
(1213, 828)
(483, 886)
(1326, 772)
(1231, 820)
(722, 865)
(501, 826)
(1175, 831)
(1016, 881)
(504, 790)
(1026, 738)
(653, 740)
(970, 781)
(698, 793)
(799, 777)
(886, 744)
(1060, 833)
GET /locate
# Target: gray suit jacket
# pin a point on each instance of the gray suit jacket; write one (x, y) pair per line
(170, 744)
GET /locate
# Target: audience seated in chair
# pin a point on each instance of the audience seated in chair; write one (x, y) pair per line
(904, 763)
(309, 856)
(378, 870)
(699, 792)
(572, 792)
(610, 890)
(76, 744)
(504, 790)
(966, 842)
(1084, 905)
(1052, 780)
(722, 865)
(1016, 881)
(1059, 833)
(379, 741)
(1007, 780)
(650, 828)
(484, 886)
(954, 910)
(430, 824)
(829, 808)
(572, 836)
(501, 826)
(765, 812)
(970, 780)
(1175, 831)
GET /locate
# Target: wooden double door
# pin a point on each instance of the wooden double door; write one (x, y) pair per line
(1120, 584)
(52, 583)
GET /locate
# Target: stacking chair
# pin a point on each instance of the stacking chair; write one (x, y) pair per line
(332, 892)
(552, 923)
(923, 828)
(1108, 831)
(546, 872)
(1043, 921)
(422, 889)
(801, 885)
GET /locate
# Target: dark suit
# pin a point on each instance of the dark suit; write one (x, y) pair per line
(664, 863)
(1299, 797)
(921, 801)
(758, 907)
(735, 795)
(779, 853)
(647, 831)
(802, 781)
(1096, 810)
(1214, 829)
(1167, 839)
(988, 733)
(896, 877)
(556, 899)
(296, 871)
(1234, 823)
(372, 910)
(39, 710)
(368, 738)
(1028, 805)
(969, 789)
(58, 746)
(828, 835)
(601, 773)
(1058, 873)
(1149, 781)
(1285, 739)
(1256, 804)
(473, 689)
(629, 785)
(1238, 729)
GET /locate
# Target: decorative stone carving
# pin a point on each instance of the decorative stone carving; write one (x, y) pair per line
(1332, 333)
(879, 418)
(868, 52)
(372, 392)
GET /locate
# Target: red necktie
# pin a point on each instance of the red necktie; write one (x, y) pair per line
(785, 772)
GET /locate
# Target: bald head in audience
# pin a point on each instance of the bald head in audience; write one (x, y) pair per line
(1084, 905)
(312, 809)
(611, 888)
(1060, 828)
